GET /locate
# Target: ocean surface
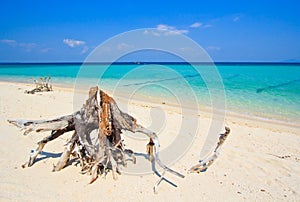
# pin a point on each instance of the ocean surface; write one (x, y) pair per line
(269, 91)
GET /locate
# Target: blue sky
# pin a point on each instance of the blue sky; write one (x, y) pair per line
(67, 31)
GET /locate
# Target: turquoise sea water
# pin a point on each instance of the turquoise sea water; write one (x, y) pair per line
(265, 90)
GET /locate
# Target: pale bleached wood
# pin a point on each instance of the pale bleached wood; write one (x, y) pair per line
(205, 163)
(96, 141)
(41, 85)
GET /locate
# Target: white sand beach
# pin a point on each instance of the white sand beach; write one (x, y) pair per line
(260, 160)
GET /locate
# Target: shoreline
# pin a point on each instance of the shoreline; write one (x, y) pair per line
(258, 161)
(231, 116)
(242, 97)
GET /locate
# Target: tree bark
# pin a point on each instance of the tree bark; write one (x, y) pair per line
(96, 141)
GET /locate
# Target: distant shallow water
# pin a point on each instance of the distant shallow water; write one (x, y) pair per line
(265, 90)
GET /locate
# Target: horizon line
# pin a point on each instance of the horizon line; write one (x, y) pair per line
(141, 63)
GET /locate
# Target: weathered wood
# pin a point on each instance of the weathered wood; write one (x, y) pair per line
(96, 141)
(205, 163)
(66, 154)
(149, 149)
(41, 85)
(44, 125)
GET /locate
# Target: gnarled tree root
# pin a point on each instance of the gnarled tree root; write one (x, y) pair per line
(96, 140)
(41, 85)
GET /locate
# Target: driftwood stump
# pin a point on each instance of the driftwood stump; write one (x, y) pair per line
(96, 140)
(41, 85)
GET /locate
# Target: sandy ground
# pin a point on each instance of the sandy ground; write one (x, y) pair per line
(260, 160)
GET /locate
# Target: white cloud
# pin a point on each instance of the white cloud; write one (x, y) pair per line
(9, 42)
(27, 46)
(237, 17)
(124, 46)
(14, 43)
(170, 30)
(207, 26)
(164, 27)
(152, 32)
(73, 43)
(46, 50)
(213, 48)
(196, 25)
(84, 50)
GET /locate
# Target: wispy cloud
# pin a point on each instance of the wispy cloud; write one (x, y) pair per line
(196, 25)
(14, 43)
(207, 26)
(213, 48)
(164, 29)
(200, 25)
(46, 50)
(73, 43)
(27, 46)
(124, 46)
(77, 43)
(9, 42)
(235, 19)
(152, 32)
(170, 30)
(85, 49)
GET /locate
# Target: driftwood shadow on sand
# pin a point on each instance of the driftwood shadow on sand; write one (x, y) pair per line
(97, 143)
(46, 155)
(155, 171)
